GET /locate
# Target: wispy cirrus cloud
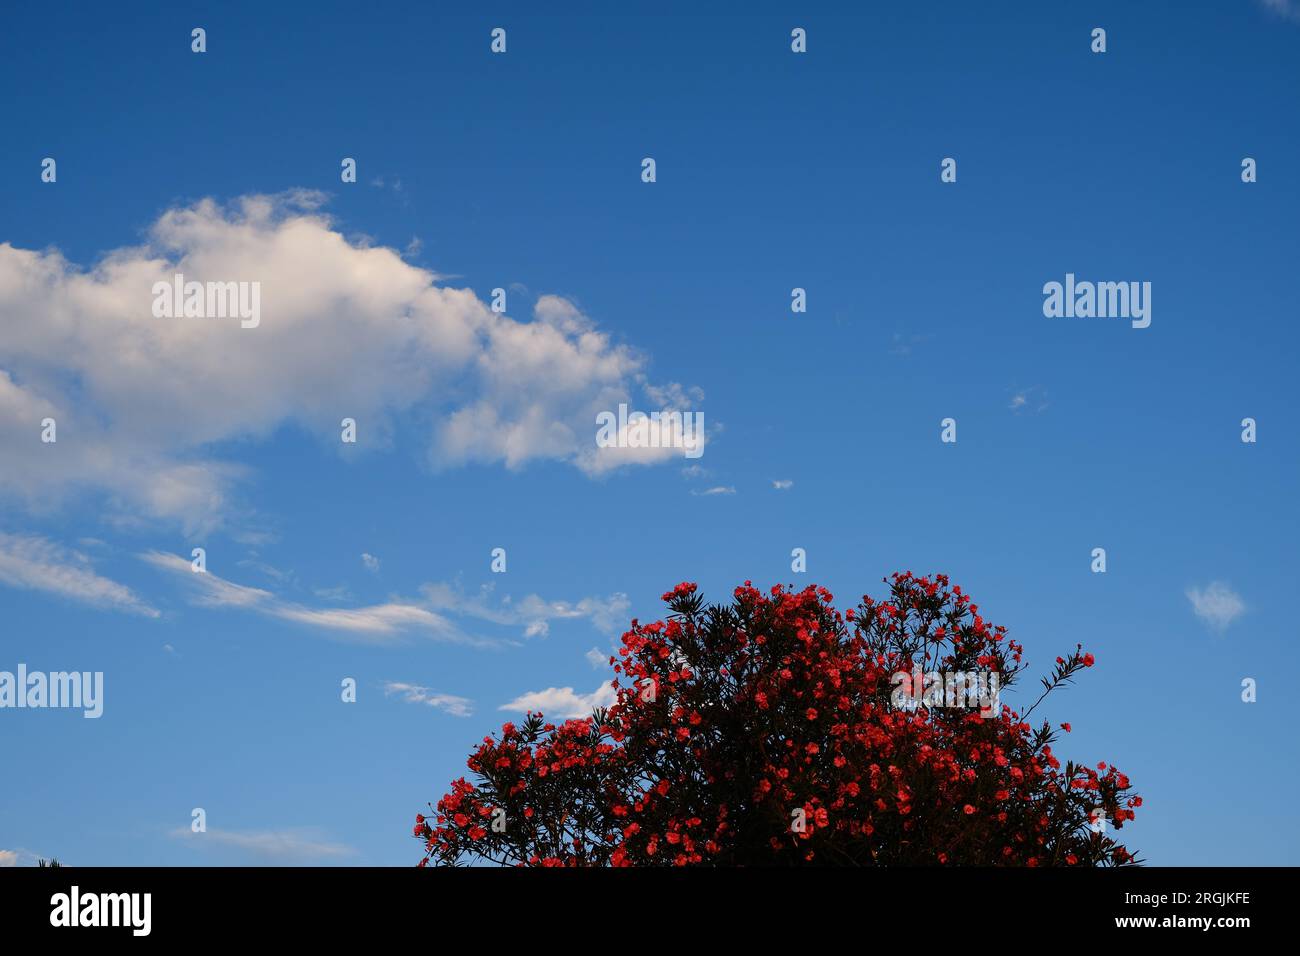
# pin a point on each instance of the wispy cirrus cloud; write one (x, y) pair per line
(378, 623)
(441, 611)
(532, 612)
(35, 563)
(416, 694)
(716, 490)
(270, 847)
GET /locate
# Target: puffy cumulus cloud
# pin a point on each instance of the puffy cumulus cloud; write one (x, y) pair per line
(542, 385)
(673, 429)
(562, 702)
(346, 330)
(644, 440)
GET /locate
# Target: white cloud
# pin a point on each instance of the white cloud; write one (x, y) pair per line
(281, 577)
(647, 440)
(532, 612)
(718, 490)
(658, 448)
(430, 614)
(1217, 604)
(562, 702)
(1284, 8)
(212, 590)
(371, 562)
(377, 619)
(271, 846)
(1032, 399)
(35, 563)
(415, 694)
(781, 484)
(346, 329)
(674, 397)
(8, 857)
(378, 622)
(597, 658)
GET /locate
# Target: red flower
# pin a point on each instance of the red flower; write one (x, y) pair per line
(720, 767)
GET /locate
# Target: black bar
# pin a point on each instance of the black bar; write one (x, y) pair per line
(931, 907)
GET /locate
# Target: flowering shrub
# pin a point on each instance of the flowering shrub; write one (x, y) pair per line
(763, 732)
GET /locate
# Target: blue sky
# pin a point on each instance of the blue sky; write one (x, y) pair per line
(522, 171)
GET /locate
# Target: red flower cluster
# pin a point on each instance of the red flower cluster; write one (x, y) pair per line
(764, 732)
